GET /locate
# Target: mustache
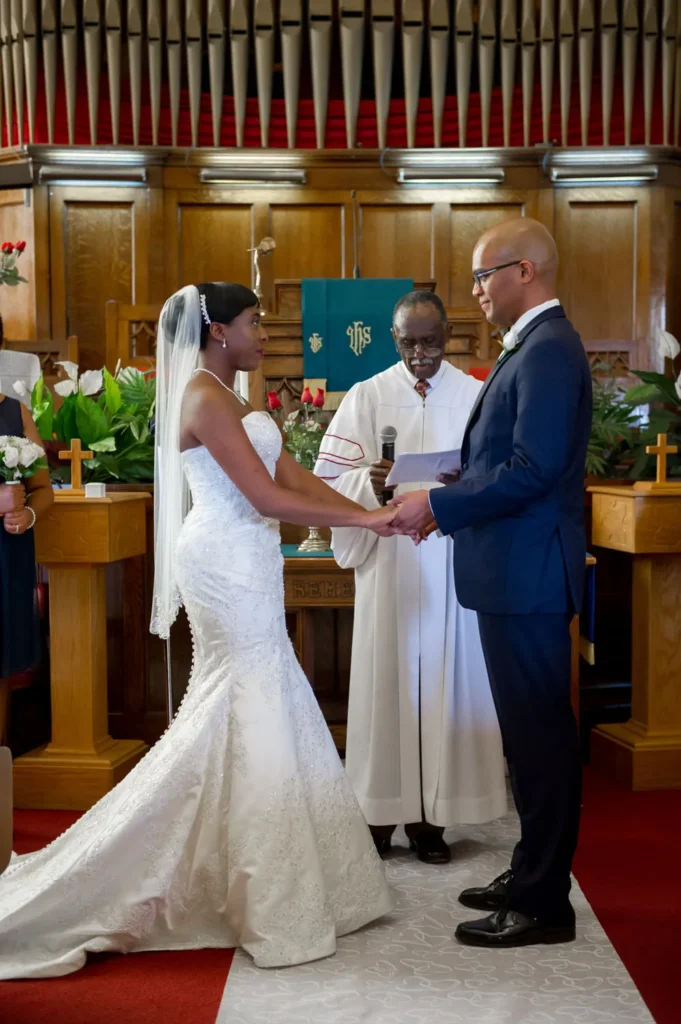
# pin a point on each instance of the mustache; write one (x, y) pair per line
(424, 361)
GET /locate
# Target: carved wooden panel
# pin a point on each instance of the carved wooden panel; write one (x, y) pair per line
(213, 243)
(92, 245)
(310, 240)
(599, 244)
(467, 223)
(396, 241)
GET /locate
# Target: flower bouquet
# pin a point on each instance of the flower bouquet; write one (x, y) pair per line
(9, 254)
(302, 429)
(303, 433)
(19, 458)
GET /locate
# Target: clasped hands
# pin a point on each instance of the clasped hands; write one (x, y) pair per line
(15, 516)
(409, 514)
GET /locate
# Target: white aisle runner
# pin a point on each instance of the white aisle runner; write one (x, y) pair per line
(406, 969)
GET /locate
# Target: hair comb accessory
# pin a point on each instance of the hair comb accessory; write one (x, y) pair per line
(204, 309)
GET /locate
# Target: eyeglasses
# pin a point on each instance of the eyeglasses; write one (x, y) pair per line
(428, 350)
(480, 275)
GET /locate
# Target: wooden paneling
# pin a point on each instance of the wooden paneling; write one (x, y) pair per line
(99, 251)
(213, 243)
(467, 223)
(397, 241)
(599, 240)
(310, 240)
(672, 319)
(17, 306)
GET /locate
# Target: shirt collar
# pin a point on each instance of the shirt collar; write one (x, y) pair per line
(523, 321)
(432, 381)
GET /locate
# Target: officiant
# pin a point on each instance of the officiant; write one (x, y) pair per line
(423, 746)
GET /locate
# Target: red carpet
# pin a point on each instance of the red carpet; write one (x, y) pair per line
(627, 864)
(628, 867)
(147, 988)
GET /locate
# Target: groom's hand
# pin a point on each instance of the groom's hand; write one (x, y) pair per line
(414, 514)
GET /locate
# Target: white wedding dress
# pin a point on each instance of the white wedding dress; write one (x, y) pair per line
(239, 828)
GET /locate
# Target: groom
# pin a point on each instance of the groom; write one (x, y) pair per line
(517, 519)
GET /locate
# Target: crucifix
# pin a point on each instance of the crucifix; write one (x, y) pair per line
(661, 450)
(76, 456)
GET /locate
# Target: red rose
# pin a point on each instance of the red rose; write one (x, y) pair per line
(273, 400)
(20, 246)
(7, 247)
(318, 400)
(306, 397)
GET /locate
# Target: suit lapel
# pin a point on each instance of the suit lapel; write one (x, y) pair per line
(549, 314)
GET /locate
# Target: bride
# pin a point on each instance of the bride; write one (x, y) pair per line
(239, 828)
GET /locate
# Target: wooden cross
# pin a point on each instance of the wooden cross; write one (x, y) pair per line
(662, 450)
(76, 456)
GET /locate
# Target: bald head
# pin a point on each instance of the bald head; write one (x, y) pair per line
(527, 254)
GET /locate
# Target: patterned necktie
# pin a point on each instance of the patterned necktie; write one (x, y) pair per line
(423, 387)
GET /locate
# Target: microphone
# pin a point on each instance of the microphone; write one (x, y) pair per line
(388, 436)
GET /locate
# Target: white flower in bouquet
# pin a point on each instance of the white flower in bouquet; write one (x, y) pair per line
(677, 386)
(29, 452)
(18, 457)
(21, 388)
(668, 346)
(10, 456)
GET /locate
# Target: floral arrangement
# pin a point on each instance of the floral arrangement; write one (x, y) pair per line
(620, 434)
(111, 414)
(19, 458)
(302, 429)
(9, 254)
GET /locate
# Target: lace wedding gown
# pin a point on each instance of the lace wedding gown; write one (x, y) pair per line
(239, 828)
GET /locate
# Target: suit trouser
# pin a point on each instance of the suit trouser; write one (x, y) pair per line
(528, 662)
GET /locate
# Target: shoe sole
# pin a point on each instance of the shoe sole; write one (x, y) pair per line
(547, 937)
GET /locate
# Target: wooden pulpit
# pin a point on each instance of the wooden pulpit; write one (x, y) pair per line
(645, 520)
(76, 540)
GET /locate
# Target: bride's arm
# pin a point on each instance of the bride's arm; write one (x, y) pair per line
(290, 474)
(215, 423)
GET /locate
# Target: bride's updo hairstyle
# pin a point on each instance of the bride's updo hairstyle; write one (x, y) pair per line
(221, 303)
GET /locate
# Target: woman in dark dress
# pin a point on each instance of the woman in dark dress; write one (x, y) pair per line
(19, 635)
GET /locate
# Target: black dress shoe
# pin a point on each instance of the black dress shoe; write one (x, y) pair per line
(431, 848)
(506, 928)
(488, 897)
(382, 844)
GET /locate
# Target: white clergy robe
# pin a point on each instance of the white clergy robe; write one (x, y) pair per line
(423, 738)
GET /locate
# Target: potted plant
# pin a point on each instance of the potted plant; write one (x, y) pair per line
(112, 416)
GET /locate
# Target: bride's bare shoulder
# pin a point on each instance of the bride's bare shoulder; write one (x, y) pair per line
(208, 409)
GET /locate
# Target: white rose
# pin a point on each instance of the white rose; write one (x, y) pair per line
(677, 386)
(29, 454)
(91, 382)
(11, 456)
(668, 346)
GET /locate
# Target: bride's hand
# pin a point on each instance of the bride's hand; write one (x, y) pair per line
(380, 519)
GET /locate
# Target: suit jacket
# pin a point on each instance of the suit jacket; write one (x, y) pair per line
(517, 512)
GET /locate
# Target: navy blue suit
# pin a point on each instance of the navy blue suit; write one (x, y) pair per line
(519, 548)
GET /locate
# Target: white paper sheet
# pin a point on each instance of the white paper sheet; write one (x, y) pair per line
(416, 468)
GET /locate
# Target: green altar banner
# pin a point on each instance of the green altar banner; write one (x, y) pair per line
(346, 328)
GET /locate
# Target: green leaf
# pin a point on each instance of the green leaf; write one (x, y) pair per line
(65, 426)
(641, 394)
(91, 421)
(107, 444)
(664, 385)
(42, 407)
(112, 392)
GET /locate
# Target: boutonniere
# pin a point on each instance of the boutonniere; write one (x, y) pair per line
(508, 343)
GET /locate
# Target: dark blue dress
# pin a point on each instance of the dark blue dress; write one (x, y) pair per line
(19, 629)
